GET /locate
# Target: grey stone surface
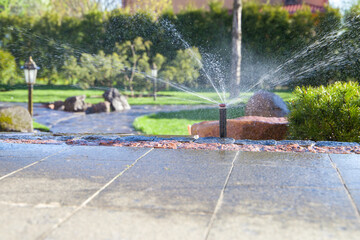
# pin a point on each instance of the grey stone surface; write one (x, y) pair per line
(215, 140)
(251, 142)
(176, 181)
(152, 224)
(100, 192)
(335, 144)
(279, 159)
(349, 168)
(298, 142)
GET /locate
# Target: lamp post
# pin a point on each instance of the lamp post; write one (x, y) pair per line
(30, 71)
(154, 73)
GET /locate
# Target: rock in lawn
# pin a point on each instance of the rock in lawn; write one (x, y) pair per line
(75, 104)
(118, 101)
(266, 104)
(15, 119)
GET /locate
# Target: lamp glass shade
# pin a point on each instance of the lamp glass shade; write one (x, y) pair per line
(30, 75)
(154, 72)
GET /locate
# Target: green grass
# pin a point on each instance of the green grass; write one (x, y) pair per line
(176, 123)
(45, 94)
(40, 127)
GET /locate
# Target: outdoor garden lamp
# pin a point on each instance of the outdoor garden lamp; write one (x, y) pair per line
(30, 71)
(154, 73)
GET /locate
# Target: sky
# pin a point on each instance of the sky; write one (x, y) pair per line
(342, 4)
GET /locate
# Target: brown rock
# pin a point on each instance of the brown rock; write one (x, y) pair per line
(266, 104)
(59, 105)
(75, 104)
(248, 127)
(118, 102)
(15, 119)
(98, 108)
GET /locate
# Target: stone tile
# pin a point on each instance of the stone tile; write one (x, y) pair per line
(172, 180)
(255, 142)
(279, 159)
(264, 227)
(356, 197)
(22, 221)
(294, 176)
(104, 224)
(351, 178)
(215, 140)
(346, 161)
(38, 151)
(335, 144)
(103, 153)
(285, 213)
(65, 181)
(9, 164)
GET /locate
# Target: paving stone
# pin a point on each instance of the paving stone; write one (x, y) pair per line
(176, 138)
(355, 194)
(98, 224)
(23, 221)
(335, 144)
(37, 151)
(293, 176)
(256, 212)
(136, 138)
(66, 179)
(279, 159)
(303, 143)
(253, 142)
(173, 180)
(9, 164)
(215, 140)
(351, 178)
(346, 161)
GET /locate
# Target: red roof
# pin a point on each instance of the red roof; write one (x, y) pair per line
(293, 8)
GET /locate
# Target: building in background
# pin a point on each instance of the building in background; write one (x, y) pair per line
(290, 5)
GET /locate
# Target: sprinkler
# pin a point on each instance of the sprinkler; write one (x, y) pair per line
(222, 111)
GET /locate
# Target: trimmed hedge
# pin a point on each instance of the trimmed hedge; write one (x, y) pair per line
(329, 113)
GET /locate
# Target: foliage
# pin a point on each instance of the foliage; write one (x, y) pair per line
(329, 113)
(95, 70)
(176, 123)
(7, 68)
(184, 69)
(270, 37)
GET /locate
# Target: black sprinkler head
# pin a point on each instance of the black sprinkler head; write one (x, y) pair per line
(222, 121)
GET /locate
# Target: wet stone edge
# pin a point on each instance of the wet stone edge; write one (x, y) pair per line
(149, 138)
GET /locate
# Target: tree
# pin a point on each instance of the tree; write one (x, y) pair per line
(137, 57)
(236, 50)
(184, 69)
(7, 68)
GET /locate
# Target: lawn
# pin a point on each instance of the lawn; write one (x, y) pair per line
(45, 94)
(176, 123)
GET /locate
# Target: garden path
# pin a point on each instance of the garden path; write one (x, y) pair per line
(114, 122)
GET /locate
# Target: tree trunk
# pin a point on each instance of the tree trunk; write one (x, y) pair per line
(236, 50)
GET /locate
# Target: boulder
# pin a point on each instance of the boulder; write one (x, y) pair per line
(15, 119)
(75, 104)
(98, 108)
(117, 101)
(266, 104)
(248, 127)
(59, 105)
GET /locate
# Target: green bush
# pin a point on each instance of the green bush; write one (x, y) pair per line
(7, 68)
(329, 113)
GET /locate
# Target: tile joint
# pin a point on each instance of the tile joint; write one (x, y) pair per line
(83, 204)
(357, 211)
(220, 199)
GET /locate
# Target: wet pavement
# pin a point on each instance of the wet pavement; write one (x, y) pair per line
(114, 122)
(97, 192)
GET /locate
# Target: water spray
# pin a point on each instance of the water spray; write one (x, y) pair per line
(222, 121)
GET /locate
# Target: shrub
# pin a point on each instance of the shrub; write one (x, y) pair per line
(7, 68)
(329, 113)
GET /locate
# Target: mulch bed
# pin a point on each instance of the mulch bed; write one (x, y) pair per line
(170, 144)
